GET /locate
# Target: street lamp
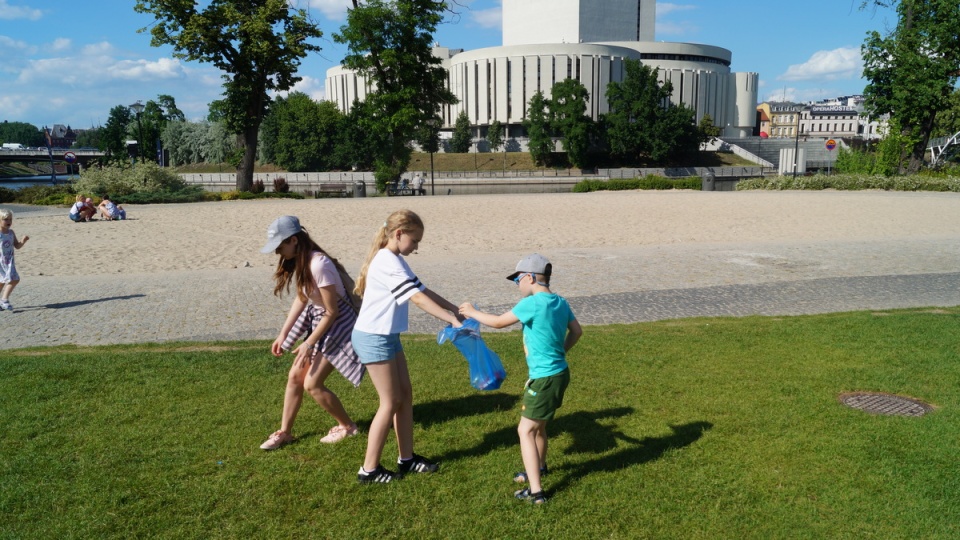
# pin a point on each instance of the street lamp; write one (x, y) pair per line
(137, 108)
(796, 145)
(432, 122)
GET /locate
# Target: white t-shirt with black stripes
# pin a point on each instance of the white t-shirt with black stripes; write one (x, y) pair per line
(390, 285)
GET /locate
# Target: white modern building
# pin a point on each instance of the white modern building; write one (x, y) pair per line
(547, 41)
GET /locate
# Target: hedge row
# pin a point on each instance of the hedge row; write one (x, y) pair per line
(646, 182)
(853, 182)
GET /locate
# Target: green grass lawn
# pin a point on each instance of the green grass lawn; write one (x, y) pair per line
(699, 428)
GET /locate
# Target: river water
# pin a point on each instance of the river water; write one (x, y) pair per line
(17, 182)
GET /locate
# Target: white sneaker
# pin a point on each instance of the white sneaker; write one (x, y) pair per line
(5, 305)
(276, 440)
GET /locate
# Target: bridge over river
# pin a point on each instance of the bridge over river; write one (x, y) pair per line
(83, 156)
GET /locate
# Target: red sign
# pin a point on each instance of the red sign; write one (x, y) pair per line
(70, 157)
(831, 144)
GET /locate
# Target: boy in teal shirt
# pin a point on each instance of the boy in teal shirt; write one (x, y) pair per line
(549, 331)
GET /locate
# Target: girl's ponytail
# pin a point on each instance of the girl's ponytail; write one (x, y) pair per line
(404, 220)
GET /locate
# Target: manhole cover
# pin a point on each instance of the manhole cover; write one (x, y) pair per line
(887, 404)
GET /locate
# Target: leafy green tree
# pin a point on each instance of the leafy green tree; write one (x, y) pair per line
(113, 139)
(913, 70)
(568, 117)
(462, 138)
(707, 131)
(642, 121)
(21, 132)
(390, 44)
(537, 124)
(359, 133)
(948, 120)
(495, 136)
(306, 133)
(88, 138)
(258, 44)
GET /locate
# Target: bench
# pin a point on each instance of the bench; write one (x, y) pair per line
(335, 190)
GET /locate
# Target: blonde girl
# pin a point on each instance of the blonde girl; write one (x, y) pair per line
(320, 309)
(387, 285)
(8, 269)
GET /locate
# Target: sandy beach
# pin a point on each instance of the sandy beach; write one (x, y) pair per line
(600, 243)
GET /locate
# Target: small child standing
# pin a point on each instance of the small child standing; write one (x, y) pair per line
(549, 331)
(8, 269)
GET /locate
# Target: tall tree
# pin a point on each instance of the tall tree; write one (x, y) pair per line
(21, 132)
(258, 44)
(495, 140)
(113, 139)
(913, 70)
(568, 117)
(462, 138)
(390, 43)
(642, 121)
(303, 133)
(537, 124)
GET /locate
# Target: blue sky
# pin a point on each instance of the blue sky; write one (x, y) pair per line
(70, 62)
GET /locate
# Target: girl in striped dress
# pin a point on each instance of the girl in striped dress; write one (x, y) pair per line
(323, 311)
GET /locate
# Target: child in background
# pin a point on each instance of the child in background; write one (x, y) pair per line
(387, 284)
(8, 269)
(108, 210)
(321, 293)
(549, 331)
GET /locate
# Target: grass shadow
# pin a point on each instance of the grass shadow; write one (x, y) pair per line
(438, 412)
(643, 451)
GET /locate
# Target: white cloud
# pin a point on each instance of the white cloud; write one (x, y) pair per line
(842, 63)
(664, 8)
(309, 86)
(146, 70)
(331, 9)
(9, 12)
(488, 18)
(674, 28)
(61, 44)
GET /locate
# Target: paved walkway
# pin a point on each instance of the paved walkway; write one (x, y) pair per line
(604, 285)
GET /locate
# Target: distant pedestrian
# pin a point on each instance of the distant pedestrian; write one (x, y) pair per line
(8, 269)
(418, 181)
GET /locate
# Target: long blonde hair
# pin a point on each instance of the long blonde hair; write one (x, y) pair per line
(404, 220)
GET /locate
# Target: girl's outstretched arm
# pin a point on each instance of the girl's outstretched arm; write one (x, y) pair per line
(436, 305)
(19, 244)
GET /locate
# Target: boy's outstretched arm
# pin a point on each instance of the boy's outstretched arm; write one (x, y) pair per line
(488, 319)
(573, 335)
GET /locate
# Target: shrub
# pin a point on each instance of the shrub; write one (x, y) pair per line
(120, 181)
(280, 185)
(647, 182)
(852, 182)
(7, 195)
(45, 195)
(257, 186)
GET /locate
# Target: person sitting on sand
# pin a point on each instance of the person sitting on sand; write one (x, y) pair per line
(108, 210)
(82, 210)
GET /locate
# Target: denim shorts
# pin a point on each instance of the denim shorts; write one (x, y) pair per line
(374, 348)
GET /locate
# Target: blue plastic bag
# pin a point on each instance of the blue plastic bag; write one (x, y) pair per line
(486, 371)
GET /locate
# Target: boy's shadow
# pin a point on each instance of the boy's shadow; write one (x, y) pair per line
(638, 452)
(589, 435)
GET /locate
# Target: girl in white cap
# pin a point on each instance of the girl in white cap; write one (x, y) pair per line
(322, 307)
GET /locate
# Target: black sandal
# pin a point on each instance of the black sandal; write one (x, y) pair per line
(534, 498)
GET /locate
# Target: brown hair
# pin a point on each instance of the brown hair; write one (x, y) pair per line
(298, 268)
(404, 220)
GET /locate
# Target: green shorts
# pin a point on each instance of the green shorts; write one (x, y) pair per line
(542, 397)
